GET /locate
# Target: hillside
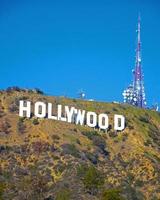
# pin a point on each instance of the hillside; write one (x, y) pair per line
(44, 159)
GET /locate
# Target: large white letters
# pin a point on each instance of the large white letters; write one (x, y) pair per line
(60, 114)
(91, 119)
(40, 109)
(25, 108)
(71, 115)
(50, 115)
(80, 117)
(103, 121)
(119, 122)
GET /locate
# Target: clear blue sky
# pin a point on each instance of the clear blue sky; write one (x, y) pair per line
(62, 46)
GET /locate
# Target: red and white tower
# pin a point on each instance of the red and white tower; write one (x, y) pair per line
(135, 93)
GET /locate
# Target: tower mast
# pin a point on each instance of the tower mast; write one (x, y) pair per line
(135, 94)
(138, 74)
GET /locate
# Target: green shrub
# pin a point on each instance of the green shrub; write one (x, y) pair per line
(99, 142)
(93, 158)
(70, 149)
(35, 121)
(2, 188)
(78, 141)
(55, 137)
(81, 170)
(91, 178)
(144, 118)
(115, 109)
(90, 134)
(63, 194)
(139, 183)
(112, 194)
(154, 133)
(148, 142)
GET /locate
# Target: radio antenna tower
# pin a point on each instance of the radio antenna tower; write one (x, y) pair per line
(81, 94)
(135, 94)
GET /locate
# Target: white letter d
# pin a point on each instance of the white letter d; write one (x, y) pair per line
(119, 122)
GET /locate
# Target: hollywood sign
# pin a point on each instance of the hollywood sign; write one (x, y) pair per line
(70, 115)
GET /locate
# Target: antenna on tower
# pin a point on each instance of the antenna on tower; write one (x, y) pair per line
(155, 106)
(81, 94)
(135, 94)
